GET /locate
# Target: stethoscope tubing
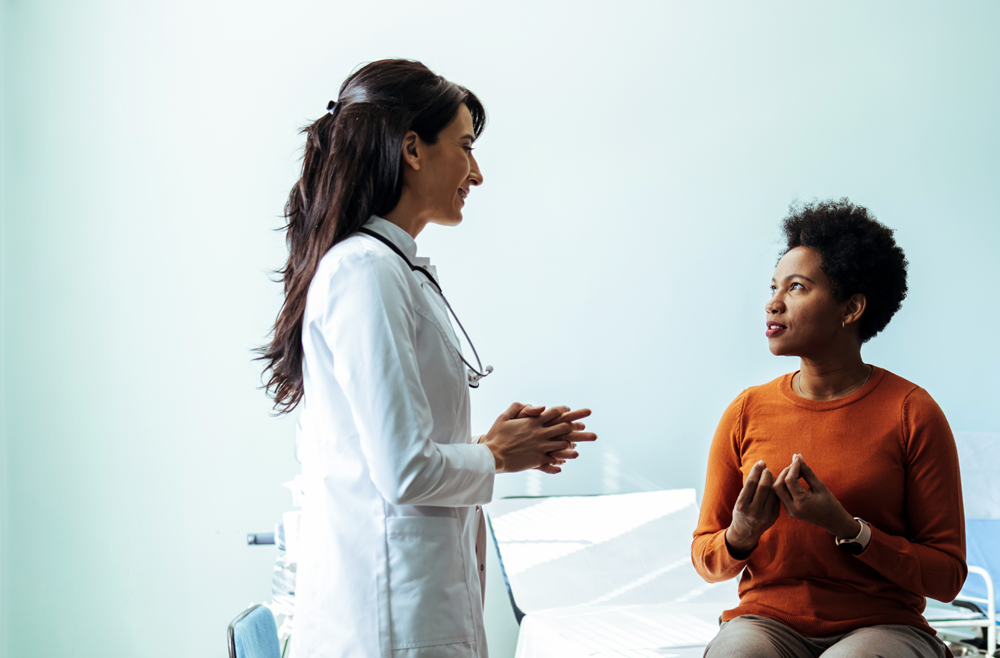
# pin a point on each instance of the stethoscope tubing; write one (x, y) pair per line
(475, 374)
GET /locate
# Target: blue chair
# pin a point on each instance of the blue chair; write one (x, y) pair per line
(253, 634)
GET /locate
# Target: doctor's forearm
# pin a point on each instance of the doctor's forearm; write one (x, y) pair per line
(447, 475)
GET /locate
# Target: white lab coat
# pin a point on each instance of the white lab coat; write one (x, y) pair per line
(393, 477)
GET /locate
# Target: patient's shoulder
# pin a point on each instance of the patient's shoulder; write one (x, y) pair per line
(896, 385)
(768, 392)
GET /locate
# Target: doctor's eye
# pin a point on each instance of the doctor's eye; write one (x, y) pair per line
(773, 290)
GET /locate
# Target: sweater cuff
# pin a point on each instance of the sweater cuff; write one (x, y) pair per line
(720, 562)
(881, 551)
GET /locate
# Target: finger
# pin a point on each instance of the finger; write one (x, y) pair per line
(546, 460)
(512, 411)
(781, 491)
(549, 447)
(763, 501)
(559, 430)
(811, 479)
(742, 500)
(792, 481)
(763, 488)
(779, 481)
(530, 411)
(549, 468)
(750, 486)
(552, 413)
(774, 505)
(569, 453)
(571, 416)
(793, 468)
(573, 437)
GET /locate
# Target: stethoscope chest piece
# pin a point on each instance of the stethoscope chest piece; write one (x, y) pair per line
(474, 376)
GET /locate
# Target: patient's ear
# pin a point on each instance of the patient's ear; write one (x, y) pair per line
(854, 308)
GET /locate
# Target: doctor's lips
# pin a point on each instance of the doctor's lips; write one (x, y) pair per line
(773, 329)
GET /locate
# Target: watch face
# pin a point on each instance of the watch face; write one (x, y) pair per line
(852, 547)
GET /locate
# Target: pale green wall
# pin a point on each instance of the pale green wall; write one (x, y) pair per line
(638, 159)
(3, 324)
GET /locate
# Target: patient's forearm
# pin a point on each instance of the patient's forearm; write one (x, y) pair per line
(937, 572)
(740, 545)
(712, 558)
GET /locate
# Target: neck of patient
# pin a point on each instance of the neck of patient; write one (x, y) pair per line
(831, 377)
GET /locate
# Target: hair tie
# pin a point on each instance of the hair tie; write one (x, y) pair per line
(332, 107)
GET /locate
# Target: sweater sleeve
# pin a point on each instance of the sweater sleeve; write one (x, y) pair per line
(723, 483)
(931, 560)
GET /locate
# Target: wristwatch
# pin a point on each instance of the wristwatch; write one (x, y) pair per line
(856, 545)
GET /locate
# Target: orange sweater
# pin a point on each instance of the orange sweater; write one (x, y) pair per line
(887, 453)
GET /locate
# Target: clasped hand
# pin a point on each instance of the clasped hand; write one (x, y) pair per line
(525, 437)
(763, 495)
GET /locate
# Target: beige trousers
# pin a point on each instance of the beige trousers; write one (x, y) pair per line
(751, 636)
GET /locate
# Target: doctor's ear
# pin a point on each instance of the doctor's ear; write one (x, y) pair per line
(411, 150)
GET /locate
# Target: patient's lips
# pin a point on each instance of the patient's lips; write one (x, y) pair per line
(773, 329)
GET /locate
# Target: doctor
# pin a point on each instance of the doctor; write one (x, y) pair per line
(392, 536)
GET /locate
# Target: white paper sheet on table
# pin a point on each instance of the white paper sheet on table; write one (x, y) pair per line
(607, 575)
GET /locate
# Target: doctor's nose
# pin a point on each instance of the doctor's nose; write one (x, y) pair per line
(475, 175)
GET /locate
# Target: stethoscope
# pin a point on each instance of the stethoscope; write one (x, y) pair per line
(474, 374)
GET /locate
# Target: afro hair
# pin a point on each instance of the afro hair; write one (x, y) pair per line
(859, 255)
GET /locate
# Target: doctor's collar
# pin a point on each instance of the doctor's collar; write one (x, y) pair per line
(397, 235)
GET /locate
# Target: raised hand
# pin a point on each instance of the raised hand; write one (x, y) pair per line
(555, 416)
(755, 511)
(817, 504)
(520, 443)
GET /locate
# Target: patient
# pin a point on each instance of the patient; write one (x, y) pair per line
(835, 489)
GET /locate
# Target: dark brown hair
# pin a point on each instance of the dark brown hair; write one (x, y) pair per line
(351, 170)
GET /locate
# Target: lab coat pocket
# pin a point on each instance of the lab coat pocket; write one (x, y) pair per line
(429, 600)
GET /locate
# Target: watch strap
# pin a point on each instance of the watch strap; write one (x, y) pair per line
(857, 545)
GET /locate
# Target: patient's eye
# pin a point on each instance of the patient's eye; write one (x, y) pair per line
(774, 289)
